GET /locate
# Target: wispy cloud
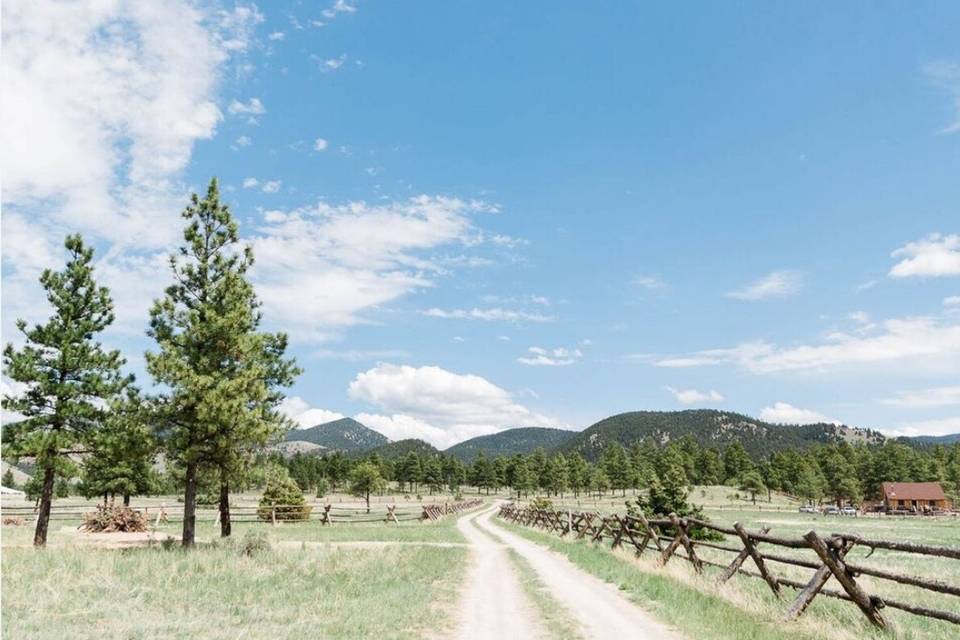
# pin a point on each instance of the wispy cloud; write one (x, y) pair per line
(491, 314)
(647, 282)
(946, 74)
(252, 107)
(559, 357)
(778, 284)
(931, 340)
(918, 398)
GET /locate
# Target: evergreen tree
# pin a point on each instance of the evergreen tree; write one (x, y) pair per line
(753, 483)
(599, 481)
(577, 473)
(433, 474)
(616, 466)
(8, 480)
(68, 376)
(736, 462)
(557, 475)
(220, 373)
(669, 494)
(538, 467)
(122, 453)
(365, 479)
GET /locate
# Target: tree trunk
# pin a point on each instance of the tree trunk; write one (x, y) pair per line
(126, 499)
(368, 502)
(190, 506)
(46, 500)
(224, 508)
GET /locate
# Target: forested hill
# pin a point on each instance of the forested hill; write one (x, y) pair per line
(710, 428)
(509, 442)
(400, 448)
(345, 434)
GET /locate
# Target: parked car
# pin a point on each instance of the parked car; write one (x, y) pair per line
(831, 511)
(808, 508)
(849, 511)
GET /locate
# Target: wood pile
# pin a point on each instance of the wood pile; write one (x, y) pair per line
(114, 518)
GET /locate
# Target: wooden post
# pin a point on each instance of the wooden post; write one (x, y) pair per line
(273, 515)
(808, 593)
(845, 578)
(654, 532)
(757, 559)
(737, 562)
(681, 527)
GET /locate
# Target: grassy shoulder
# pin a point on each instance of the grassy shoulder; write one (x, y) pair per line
(693, 605)
(216, 591)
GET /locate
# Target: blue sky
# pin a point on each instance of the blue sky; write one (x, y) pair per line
(476, 216)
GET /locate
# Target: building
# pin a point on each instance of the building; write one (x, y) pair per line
(914, 496)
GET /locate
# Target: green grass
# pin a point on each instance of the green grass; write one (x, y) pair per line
(217, 592)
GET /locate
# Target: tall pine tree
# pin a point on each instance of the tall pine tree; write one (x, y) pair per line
(220, 372)
(69, 377)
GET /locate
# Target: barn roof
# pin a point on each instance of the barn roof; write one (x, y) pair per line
(913, 491)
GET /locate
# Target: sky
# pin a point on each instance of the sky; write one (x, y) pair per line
(476, 216)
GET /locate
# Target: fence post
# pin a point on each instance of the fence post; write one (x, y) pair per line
(757, 559)
(845, 578)
(737, 562)
(273, 515)
(806, 596)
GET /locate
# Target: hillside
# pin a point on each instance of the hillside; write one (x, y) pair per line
(345, 434)
(400, 448)
(931, 440)
(710, 428)
(520, 440)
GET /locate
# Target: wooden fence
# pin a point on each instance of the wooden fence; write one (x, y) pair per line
(826, 557)
(324, 513)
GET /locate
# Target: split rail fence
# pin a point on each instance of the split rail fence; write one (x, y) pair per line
(826, 556)
(325, 514)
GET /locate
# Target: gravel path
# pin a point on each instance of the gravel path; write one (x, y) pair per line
(602, 611)
(494, 605)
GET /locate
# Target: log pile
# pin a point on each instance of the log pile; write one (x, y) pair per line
(114, 518)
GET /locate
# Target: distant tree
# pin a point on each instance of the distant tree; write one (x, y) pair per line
(842, 482)
(433, 474)
(8, 480)
(736, 462)
(365, 479)
(538, 467)
(753, 483)
(68, 376)
(577, 473)
(557, 474)
(810, 483)
(599, 481)
(282, 498)
(616, 466)
(499, 472)
(337, 468)
(669, 494)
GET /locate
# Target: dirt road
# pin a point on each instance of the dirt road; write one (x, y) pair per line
(599, 608)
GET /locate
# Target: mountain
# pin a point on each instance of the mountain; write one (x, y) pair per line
(345, 434)
(520, 440)
(925, 440)
(400, 448)
(710, 428)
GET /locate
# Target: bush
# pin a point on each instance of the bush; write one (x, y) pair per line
(542, 504)
(284, 495)
(254, 543)
(113, 518)
(322, 487)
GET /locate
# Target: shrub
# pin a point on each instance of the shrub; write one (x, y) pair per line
(284, 495)
(543, 504)
(322, 487)
(254, 543)
(113, 518)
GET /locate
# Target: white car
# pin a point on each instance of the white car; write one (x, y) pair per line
(808, 508)
(831, 511)
(849, 511)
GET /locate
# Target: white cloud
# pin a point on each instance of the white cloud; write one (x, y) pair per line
(250, 183)
(648, 282)
(951, 301)
(783, 413)
(271, 186)
(320, 144)
(252, 107)
(946, 74)
(936, 255)
(927, 340)
(340, 6)
(300, 411)
(490, 315)
(276, 36)
(103, 102)
(242, 141)
(329, 64)
(934, 427)
(692, 396)
(933, 397)
(777, 284)
(559, 357)
(861, 317)
(439, 406)
(321, 268)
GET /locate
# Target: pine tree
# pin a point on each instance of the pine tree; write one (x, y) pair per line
(68, 375)
(599, 481)
(220, 372)
(617, 467)
(577, 473)
(365, 479)
(753, 483)
(8, 480)
(433, 474)
(122, 453)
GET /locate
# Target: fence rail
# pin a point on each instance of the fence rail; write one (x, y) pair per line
(671, 537)
(326, 514)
